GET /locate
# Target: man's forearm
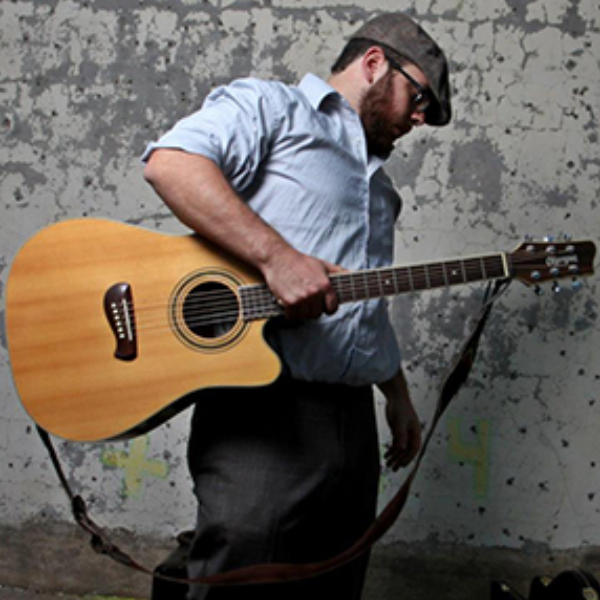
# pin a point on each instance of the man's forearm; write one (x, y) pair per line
(197, 192)
(396, 388)
(194, 188)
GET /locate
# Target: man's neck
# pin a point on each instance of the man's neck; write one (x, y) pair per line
(348, 84)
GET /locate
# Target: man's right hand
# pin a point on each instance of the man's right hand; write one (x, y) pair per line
(301, 283)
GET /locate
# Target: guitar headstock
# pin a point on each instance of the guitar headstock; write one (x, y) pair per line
(535, 262)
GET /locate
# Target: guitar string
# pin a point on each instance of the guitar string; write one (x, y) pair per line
(212, 313)
(259, 303)
(370, 281)
(258, 297)
(429, 269)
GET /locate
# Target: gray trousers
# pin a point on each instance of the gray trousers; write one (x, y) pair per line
(289, 474)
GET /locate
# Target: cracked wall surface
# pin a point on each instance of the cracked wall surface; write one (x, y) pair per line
(516, 460)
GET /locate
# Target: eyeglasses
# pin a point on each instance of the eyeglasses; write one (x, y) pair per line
(421, 99)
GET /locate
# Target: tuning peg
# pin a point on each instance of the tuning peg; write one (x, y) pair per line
(549, 238)
(556, 287)
(538, 291)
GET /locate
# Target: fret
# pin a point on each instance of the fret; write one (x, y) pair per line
(437, 278)
(366, 286)
(501, 267)
(347, 293)
(419, 278)
(473, 269)
(416, 277)
(390, 284)
(445, 273)
(455, 272)
(411, 283)
(382, 291)
(483, 271)
(372, 285)
(394, 275)
(245, 305)
(374, 291)
(391, 275)
(366, 289)
(258, 303)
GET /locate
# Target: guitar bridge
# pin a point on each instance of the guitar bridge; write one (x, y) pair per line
(120, 313)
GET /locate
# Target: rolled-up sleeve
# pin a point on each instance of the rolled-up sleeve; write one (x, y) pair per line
(234, 129)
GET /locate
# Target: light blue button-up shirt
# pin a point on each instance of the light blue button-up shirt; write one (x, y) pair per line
(298, 157)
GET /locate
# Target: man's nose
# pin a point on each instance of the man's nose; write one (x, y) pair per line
(418, 118)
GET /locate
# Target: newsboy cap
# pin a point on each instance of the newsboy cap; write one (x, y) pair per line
(401, 34)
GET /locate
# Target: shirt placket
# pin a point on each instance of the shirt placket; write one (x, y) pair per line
(370, 165)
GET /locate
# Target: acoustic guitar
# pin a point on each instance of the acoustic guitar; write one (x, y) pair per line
(111, 327)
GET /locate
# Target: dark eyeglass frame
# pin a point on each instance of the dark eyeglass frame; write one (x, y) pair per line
(421, 100)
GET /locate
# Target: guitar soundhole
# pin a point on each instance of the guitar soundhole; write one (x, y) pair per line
(205, 312)
(210, 310)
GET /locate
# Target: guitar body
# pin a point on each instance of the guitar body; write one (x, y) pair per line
(85, 369)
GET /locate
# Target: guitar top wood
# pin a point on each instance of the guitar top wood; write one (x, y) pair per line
(62, 342)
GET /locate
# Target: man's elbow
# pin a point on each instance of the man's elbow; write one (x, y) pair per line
(154, 168)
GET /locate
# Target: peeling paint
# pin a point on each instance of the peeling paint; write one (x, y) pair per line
(84, 87)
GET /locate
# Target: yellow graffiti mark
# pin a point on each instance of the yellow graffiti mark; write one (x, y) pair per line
(476, 454)
(135, 465)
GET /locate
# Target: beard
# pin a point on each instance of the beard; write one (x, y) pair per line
(374, 109)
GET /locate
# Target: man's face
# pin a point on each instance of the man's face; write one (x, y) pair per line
(387, 110)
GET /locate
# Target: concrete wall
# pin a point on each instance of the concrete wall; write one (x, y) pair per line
(515, 463)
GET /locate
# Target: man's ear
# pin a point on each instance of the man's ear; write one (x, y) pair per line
(373, 64)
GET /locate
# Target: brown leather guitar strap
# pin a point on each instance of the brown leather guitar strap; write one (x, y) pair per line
(278, 573)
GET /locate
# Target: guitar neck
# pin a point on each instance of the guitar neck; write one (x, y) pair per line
(258, 302)
(393, 281)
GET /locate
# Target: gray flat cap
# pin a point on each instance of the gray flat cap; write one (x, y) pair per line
(400, 33)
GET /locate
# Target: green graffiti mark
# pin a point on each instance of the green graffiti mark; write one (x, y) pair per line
(476, 454)
(135, 465)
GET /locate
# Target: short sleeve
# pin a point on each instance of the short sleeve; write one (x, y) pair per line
(234, 128)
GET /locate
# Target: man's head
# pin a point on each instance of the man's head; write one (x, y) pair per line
(405, 42)
(396, 77)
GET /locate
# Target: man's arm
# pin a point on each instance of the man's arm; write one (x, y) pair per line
(402, 420)
(199, 195)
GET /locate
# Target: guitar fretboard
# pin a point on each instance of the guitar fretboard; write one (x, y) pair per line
(259, 303)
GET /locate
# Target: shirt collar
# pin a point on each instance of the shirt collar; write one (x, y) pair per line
(316, 90)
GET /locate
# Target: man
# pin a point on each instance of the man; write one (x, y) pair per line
(290, 180)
